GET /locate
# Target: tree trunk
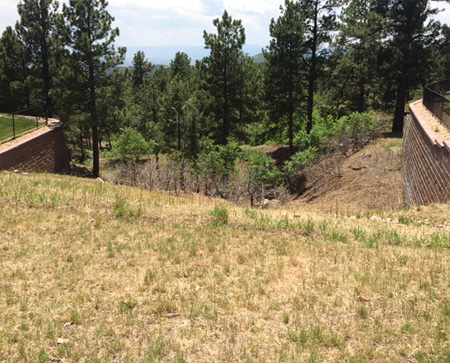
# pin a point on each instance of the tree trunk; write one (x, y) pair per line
(226, 120)
(93, 114)
(397, 125)
(291, 133)
(361, 97)
(178, 131)
(95, 152)
(312, 71)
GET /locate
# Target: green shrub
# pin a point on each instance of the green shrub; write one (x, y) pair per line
(262, 176)
(220, 216)
(217, 160)
(131, 145)
(300, 160)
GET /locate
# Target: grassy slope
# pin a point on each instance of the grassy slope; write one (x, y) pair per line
(96, 272)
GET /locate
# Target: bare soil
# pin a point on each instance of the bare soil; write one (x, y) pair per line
(369, 180)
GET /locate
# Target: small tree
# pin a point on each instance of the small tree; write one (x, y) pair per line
(263, 176)
(131, 145)
(217, 164)
(141, 67)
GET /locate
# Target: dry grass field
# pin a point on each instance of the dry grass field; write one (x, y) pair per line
(92, 272)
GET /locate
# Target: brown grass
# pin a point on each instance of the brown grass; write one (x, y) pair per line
(97, 273)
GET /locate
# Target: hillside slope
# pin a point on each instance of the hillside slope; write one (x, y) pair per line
(97, 272)
(367, 181)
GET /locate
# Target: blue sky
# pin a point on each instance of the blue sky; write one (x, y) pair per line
(181, 22)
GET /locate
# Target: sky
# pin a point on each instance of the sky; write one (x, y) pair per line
(182, 22)
(175, 22)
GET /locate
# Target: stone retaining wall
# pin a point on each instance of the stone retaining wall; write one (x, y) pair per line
(43, 151)
(426, 162)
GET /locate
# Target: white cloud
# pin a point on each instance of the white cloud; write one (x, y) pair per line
(444, 15)
(175, 22)
(170, 6)
(182, 22)
(252, 6)
(8, 11)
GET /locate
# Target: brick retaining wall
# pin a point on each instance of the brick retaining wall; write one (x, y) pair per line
(44, 152)
(426, 162)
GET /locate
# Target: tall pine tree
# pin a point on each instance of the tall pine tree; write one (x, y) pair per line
(89, 38)
(223, 72)
(319, 20)
(409, 32)
(14, 73)
(352, 67)
(36, 29)
(284, 70)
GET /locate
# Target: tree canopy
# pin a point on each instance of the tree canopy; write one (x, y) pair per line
(325, 60)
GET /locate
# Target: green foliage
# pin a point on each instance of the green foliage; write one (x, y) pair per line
(141, 68)
(300, 160)
(131, 145)
(381, 52)
(285, 67)
(262, 169)
(262, 175)
(90, 55)
(125, 211)
(355, 124)
(218, 161)
(220, 216)
(351, 76)
(36, 29)
(323, 129)
(410, 31)
(14, 72)
(328, 136)
(228, 76)
(326, 130)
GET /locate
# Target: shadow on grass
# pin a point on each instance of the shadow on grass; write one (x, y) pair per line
(81, 171)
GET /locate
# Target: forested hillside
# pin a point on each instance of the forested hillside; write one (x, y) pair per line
(329, 68)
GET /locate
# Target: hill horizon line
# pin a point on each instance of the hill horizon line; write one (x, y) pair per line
(163, 54)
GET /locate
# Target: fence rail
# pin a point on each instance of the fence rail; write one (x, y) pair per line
(21, 122)
(436, 98)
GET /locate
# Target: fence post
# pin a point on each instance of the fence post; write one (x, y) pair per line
(14, 126)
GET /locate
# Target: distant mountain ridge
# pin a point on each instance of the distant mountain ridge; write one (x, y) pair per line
(164, 54)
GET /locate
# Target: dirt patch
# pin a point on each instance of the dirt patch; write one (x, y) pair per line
(366, 181)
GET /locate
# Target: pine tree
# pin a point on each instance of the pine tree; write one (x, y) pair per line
(36, 30)
(223, 72)
(409, 32)
(353, 63)
(14, 72)
(318, 18)
(141, 68)
(284, 71)
(177, 102)
(89, 38)
(181, 65)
